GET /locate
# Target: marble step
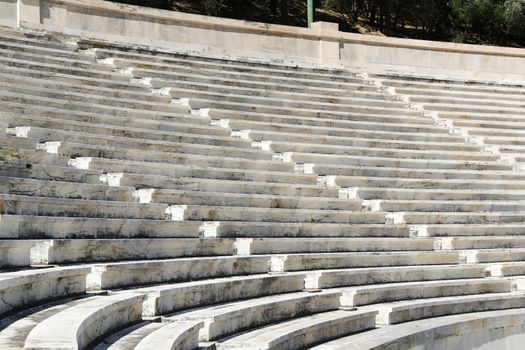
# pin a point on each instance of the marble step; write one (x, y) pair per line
(494, 255)
(205, 213)
(16, 327)
(440, 194)
(475, 230)
(469, 108)
(49, 57)
(203, 156)
(299, 262)
(417, 333)
(265, 106)
(381, 293)
(187, 170)
(23, 151)
(15, 143)
(62, 251)
(15, 254)
(330, 245)
(43, 81)
(153, 122)
(414, 310)
(21, 169)
(13, 97)
(513, 269)
(496, 133)
(202, 198)
(54, 93)
(195, 79)
(129, 337)
(61, 189)
(25, 288)
(431, 94)
(483, 118)
(30, 157)
(174, 335)
(249, 185)
(170, 298)
(291, 146)
(25, 62)
(326, 119)
(299, 157)
(332, 128)
(175, 75)
(86, 322)
(433, 174)
(260, 229)
(35, 39)
(505, 140)
(446, 205)
(184, 123)
(462, 218)
(365, 105)
(146, 272)
(36, 72)
(271, 90)
(428, 184)
(260, 129)
(104, 50)
(482, 242)
(391, 274)
(452, 86)
(234, 317)
(492, 124)
(489, 102)
(40, 50)
(173, 62)
(477, 121)
(45, 206)
(242, 84)
(30, 226)
(301, 333)
(130, 136)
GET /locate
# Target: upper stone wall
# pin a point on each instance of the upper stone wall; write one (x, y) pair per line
(322, 45)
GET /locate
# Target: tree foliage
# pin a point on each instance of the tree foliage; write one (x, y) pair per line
(490, 21)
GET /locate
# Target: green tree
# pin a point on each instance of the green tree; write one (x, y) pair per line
(212, 7)
(514, 14)
(479, 19)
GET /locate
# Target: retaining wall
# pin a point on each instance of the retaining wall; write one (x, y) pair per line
(323, 44)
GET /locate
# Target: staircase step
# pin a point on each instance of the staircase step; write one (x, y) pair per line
(25, 288)
(417, 333)
(136, 273)
(182, 170)
(303, 332)
(45, 206)
(299, 262)
(391, 274)
(38, 227)
(61, 251)
(231, 184)
(414, 310)
(206, 213)
(234, 317)
(86, 322)
(381, 293)
(169, 298)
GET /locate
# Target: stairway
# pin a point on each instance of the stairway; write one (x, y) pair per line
(155, 200)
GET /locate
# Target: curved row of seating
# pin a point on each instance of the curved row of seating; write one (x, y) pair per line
(159, 200)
